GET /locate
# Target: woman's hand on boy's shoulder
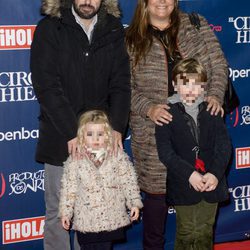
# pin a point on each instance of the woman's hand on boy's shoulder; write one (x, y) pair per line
(214, 106)
(159, 114)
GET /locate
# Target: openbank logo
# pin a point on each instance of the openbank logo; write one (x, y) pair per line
(242, 157)
(16, 37)
(242, 26)
(20, 230)
(22, 134)
(238, 73)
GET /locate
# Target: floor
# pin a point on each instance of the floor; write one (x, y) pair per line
(241, 245)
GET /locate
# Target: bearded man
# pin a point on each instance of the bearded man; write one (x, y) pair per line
(78, 63)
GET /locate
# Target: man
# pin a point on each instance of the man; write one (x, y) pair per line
(78, 63)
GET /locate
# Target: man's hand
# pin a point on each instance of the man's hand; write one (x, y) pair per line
(117, 142)
(72, 148)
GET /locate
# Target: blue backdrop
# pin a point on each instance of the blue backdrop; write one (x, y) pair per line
(22, 179)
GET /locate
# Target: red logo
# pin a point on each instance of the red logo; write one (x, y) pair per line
(234, 118)
(242, 158)
(23, 229)
(16, 37)
(2, 186)
(217, 28)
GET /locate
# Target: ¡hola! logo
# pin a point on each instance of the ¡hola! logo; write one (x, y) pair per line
(16, 37)
(242, 158)
(23, 229)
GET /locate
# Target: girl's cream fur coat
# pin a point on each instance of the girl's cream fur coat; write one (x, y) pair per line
(97, 198)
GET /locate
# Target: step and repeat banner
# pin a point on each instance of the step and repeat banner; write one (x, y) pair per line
(22, 179)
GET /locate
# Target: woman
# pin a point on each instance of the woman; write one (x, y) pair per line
(158, 37)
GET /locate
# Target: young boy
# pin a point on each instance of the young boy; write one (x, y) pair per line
(196, 149)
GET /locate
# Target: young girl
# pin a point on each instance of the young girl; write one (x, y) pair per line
(97, 189)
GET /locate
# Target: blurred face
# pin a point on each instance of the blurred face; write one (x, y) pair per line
(160, 11)
(86, 9)
(95, 136)
(189, 87)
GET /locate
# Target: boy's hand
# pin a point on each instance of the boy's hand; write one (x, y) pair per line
(65, 223)
(134, 213)
(210, 182)
(196, 180)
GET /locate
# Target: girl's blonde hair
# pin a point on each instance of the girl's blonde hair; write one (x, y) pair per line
(95, 117)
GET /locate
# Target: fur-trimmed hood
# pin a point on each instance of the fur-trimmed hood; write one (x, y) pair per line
(53, 7)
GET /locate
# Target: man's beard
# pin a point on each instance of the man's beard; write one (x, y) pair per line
(85, 11)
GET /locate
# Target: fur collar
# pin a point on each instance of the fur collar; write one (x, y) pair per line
(53, 7)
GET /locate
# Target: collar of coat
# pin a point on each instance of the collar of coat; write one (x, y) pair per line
(53, 7)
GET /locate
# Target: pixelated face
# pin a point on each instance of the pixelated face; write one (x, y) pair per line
(94, 136)
(189, 86)
(86, 9)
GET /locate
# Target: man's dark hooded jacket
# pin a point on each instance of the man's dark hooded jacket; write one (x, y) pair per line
(71, 75)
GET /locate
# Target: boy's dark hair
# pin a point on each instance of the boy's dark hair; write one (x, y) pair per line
(189, 65)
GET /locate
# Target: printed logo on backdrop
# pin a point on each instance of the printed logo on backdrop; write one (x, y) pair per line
(242, 27)
(2, 185)
(215, 28)
(234, 117)
(20, 230)
(242, 157)
(234, 74)
(16, 87)
(21, 134)
(240, 116)
(16, 37)
(22, 183)
(245, 115)
(241, 198)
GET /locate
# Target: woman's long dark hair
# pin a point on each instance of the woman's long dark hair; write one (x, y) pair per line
(138, 36)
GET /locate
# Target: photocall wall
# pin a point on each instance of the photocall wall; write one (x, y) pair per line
(22, 179)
